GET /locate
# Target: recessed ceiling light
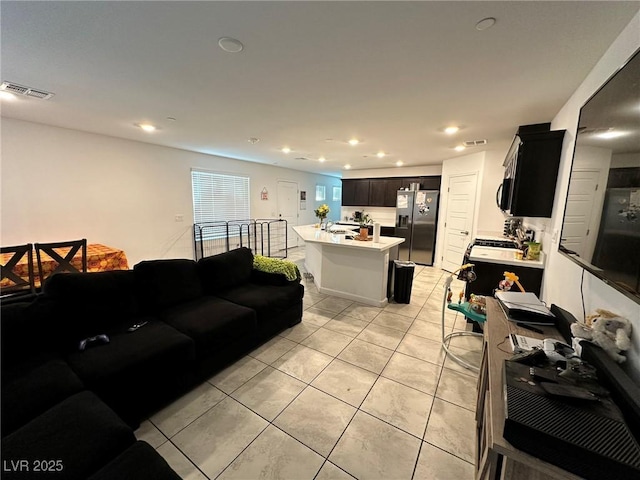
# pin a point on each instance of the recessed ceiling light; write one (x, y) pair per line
(399, 163)
(459, 148)
(347, 167)
(380, 154)
(147, 127)
(286, 149)
(451, 130)
(322, 159)
(353, 142)
(610, 134)
(485, 23)
(230, 45)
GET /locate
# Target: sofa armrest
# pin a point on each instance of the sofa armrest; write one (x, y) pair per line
(266, 278)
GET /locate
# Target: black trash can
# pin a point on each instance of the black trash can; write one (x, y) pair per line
(403, 280)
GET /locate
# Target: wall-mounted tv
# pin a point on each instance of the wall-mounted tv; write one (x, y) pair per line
(601, 225)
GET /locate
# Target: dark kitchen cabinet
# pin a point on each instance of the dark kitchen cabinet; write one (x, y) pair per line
(405, 182)
(381, 192)
(430, 183)
(489, 275)
(377, 190)
(529, 184)
(625, 177)
(391, 191)
(355, 192)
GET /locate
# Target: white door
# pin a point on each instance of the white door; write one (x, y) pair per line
(461, 205)
(288, 209)
(580, 227)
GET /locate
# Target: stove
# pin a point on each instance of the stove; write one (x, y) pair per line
(496, 243)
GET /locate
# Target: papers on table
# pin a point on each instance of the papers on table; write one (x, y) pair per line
(524, 307)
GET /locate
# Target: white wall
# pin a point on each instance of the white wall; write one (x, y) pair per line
(563, 278)
(423, 171)
(59, 184)
(622, 160)
(490, 219)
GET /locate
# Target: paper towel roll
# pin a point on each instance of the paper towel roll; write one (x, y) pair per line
(376, 232)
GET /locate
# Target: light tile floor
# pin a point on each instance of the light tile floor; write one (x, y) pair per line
(351, 392)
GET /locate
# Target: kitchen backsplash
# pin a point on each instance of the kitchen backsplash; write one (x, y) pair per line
(385, 216)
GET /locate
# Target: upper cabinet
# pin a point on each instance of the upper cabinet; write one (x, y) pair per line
(531, 173)
(381, 192)
(377, 190)
(355, 191)
(392, 186)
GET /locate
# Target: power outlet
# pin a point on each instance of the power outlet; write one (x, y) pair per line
(179, 218)
(554, 238)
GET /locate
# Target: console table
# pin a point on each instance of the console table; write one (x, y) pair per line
(495, 457)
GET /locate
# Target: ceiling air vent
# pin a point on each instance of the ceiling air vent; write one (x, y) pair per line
(25, 91)
(302, 158)
(475, 143)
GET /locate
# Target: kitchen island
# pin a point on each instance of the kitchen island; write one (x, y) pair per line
(352, 269)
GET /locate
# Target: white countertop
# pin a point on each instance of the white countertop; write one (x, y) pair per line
(504, 256)
(311, 234)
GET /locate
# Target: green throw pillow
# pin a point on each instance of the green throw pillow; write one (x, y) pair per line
(276, 265)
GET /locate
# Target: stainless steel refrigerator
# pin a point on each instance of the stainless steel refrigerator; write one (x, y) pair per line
(416, 217)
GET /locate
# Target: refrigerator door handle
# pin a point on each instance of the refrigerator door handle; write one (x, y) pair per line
(466, 232)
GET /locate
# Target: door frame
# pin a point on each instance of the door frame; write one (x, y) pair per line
(444, 216)
(292, 238)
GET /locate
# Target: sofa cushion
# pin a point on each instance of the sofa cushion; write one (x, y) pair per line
(81, 433)
(138, 462)
(132, 354)
(26, 331)
(163, 283)
(32, 387)
(226, 270)
(265, 299)
(112, 289)
(212, 322)
(87, 304)
(138, 371)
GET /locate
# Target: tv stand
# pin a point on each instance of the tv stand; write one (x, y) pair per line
(495, 457)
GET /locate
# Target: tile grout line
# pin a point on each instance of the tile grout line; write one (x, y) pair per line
(309, 384)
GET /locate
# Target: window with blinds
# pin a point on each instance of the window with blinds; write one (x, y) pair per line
(219, 197)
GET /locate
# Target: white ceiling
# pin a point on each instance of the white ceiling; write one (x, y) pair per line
(311, 75)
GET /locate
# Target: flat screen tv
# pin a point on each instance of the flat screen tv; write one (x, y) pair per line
(601, 224)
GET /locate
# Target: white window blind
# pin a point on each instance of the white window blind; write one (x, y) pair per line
(219, 197)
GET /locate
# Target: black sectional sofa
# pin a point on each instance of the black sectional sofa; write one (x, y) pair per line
(170, 324)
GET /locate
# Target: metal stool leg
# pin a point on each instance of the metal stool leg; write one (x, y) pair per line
(447, 338)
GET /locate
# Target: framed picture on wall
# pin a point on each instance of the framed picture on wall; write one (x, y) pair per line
(337, 194)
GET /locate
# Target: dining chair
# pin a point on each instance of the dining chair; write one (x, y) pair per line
(61, 255)
(16, 283)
